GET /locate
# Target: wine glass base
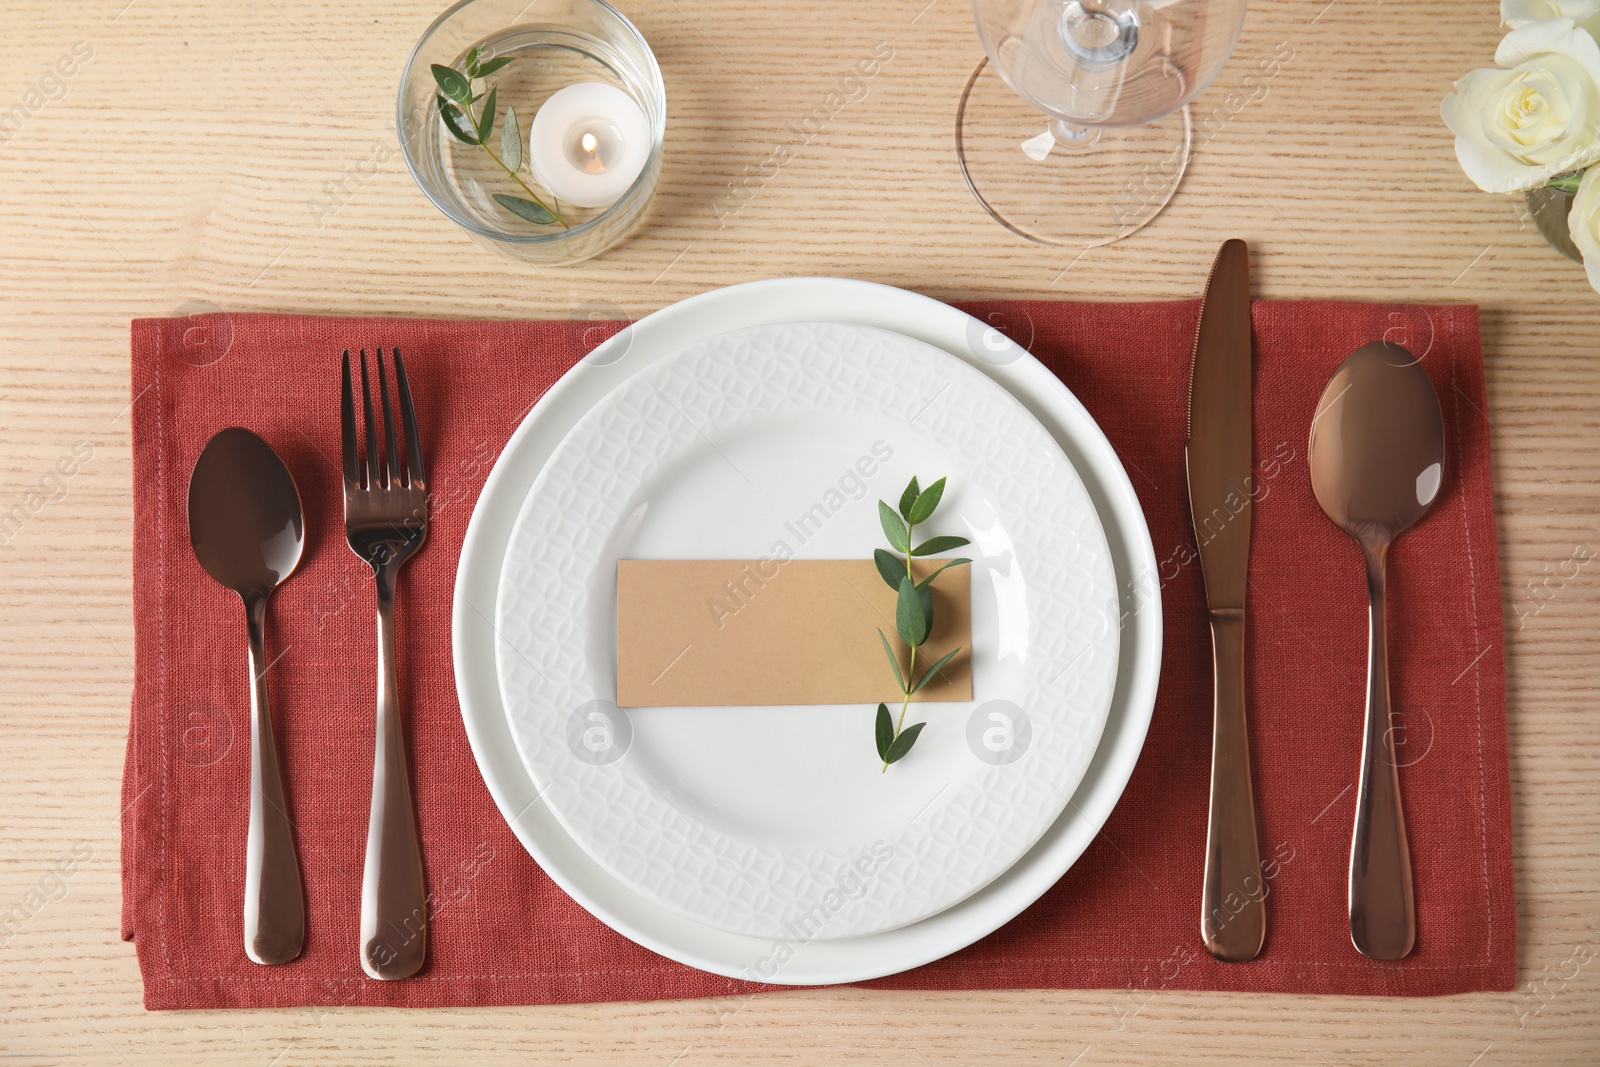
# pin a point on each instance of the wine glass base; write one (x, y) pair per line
(1053, 192)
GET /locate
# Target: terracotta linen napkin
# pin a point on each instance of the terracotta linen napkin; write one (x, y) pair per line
(1125, 917)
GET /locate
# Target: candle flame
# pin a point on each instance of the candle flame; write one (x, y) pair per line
(590, 143)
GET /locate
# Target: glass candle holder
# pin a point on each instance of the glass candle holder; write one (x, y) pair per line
(552, 44)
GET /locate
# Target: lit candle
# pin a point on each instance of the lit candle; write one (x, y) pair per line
(588, 143)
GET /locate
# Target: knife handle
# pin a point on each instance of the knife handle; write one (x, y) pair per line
(1233, 916)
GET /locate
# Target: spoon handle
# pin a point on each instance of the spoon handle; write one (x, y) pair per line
(274, 902)
(1383, 919)
(1233, 916)
(394, 900)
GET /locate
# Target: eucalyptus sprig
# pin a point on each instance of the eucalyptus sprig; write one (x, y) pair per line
(456, 101)
(913, 617)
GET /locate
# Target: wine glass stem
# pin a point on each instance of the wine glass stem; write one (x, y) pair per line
(1074, 138)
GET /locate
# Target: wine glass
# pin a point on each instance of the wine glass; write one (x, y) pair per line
(1074, 130)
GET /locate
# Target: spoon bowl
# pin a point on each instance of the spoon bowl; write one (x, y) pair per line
(248, 532)
(1377, 444)
(1377, 464)
(245, 519)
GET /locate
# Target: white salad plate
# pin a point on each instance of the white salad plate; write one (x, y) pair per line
(778, 821)
(798, 960)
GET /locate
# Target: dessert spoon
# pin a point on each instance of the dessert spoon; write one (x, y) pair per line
(248, 532)
(1377, 462)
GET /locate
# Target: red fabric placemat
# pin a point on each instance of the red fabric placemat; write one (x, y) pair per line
(1125, 917)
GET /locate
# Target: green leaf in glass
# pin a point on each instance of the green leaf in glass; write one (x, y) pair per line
(486, 120)
(511, 141)
(452, 83)
(456, 122)
(529, 210)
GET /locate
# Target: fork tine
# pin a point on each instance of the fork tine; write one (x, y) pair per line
(391, 461)
(373, 480)
(415, 472)
(347, 428)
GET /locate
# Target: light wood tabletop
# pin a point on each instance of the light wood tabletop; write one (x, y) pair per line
(241, 154)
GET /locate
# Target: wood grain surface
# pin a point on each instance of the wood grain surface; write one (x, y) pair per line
(241, 154)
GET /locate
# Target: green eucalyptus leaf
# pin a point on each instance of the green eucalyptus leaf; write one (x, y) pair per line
(933, 670)
(456, 122)
(472, 62)
(452, 83)
(486, 120)
(929, 579)
(942, 543)
(493, 65)
(894, 661)
(908, 615)
(903, 743)
(884, 729)
(511, 141)
(890, 566)
(925, 599)
(908, 498)
(893, 527)
(927, 500)
(529, 210)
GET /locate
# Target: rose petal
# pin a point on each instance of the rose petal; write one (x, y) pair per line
(1584, 225)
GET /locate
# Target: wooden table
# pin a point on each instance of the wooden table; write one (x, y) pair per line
(242, 154)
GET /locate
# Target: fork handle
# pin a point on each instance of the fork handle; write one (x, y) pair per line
(394, 900)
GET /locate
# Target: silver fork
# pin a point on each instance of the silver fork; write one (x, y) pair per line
(386, 522)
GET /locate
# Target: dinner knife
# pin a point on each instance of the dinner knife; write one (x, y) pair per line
(1218, 450)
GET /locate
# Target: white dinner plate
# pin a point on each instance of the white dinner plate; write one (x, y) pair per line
(777, 821)
(797, 961)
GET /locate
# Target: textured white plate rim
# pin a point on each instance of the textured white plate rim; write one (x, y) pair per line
(817, 963)
(1055, 537)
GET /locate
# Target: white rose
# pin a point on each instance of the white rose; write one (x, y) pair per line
(1519, 127)
(1584, 224)
(1586, 13)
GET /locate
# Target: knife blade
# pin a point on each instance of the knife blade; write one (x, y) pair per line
(1219, 456)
